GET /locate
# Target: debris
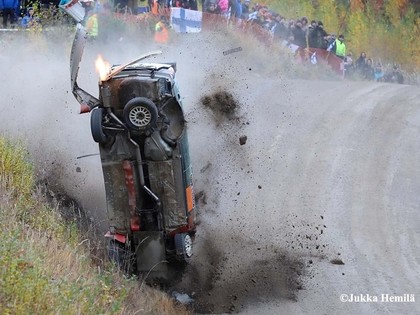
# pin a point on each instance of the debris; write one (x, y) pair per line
(242, 140)
(231, 51)
(182, 298)
(337, 262)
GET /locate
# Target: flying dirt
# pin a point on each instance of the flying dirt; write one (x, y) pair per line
(316, 212)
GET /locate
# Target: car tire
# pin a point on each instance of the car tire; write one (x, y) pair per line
(183, 246)
(96, 118)
(140, 113)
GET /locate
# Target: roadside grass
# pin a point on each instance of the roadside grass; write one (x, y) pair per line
(46, 267)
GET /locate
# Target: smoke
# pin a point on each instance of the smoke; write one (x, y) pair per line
(225, 97)
(39, 109)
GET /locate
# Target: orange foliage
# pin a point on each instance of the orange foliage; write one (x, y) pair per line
(356, 5)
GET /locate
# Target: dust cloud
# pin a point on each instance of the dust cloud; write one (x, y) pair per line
(328, 171)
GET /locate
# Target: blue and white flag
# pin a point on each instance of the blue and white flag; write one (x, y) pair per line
(186, 21)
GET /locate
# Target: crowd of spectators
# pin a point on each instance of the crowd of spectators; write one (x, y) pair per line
(301, 33)
(290, 32)
(366, 68)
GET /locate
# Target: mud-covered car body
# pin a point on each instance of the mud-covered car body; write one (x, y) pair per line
(143, 144)
(139, 124)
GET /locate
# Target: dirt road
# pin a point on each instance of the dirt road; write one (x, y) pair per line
(322, 200)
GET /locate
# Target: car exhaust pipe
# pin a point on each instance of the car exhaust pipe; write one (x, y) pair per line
(138, 158)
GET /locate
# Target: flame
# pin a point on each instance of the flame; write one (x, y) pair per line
(102, 67)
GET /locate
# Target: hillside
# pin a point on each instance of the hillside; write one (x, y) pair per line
(47, 267)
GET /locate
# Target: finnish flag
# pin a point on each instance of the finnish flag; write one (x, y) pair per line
(186, 21)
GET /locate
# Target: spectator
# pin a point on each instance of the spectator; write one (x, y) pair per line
(368, 73)
(238, 9)
(279, 29)
(299, 37)
(361, 62)
(19, 11)
(256, 16)
(378, 72)
(9, 8)
(30, 20)
(211, 7)
(330, 41)
(161, 31)
(186, 4)
(267, 19)
(338, 47)
(88, 5)
(92, 25)
(348, 65)
(153, 5)
(305, 25)
(318, 37)
(311, 27)
(245, 9)
(224, 7)
(232, 7)
(193, 5)
(165, 3)
(395, 76)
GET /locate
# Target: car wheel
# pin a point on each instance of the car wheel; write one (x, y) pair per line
(121, 257)
(96, 118)
(183, 245)
(140, 113)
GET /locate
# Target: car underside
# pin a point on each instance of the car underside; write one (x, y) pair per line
(139, 125)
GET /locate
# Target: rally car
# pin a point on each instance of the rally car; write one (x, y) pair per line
(138, 123)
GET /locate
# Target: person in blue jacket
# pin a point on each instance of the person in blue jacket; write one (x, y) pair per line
(9, 8)
(29, 20)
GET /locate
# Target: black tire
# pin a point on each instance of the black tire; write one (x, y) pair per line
(96, 128)
(183, 246)
(140, 113)
(122, 257)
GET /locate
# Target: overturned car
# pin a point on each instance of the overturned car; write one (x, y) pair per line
(138, 123)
